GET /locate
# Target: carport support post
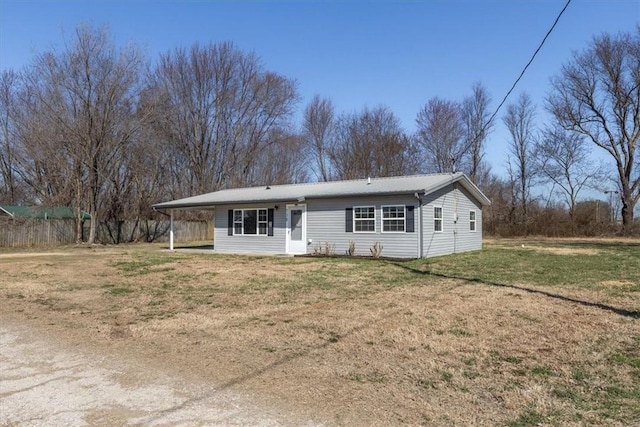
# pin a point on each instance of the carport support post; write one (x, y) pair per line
(171, 231)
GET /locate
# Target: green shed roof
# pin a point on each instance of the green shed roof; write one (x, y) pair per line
(41, 212)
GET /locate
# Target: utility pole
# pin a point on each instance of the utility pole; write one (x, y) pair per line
(612, 211)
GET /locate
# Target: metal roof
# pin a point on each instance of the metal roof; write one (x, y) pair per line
(421, 184)
(41, 212)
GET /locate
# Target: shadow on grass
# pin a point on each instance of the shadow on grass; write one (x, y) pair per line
(612, 243)
(203, 247)
(257, 372)
(336, 338)
(634, 314)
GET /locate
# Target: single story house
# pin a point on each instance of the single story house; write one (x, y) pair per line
(409, 216)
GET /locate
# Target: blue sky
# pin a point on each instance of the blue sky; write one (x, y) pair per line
(357, 53)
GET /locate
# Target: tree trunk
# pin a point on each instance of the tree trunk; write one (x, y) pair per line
(93, 203)
(79, 219)
(627, 210)
(92, 227)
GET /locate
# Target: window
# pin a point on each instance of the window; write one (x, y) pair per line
(364, 219)
(250, 222)
(237, 222)
(472, 220)
(262, 222)
(393, 219)
(437, 218)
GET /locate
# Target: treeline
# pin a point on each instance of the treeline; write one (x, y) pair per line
(104, 129)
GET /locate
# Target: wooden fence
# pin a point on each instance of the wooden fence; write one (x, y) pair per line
(52, 232)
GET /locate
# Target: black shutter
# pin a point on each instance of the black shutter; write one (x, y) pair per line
(270, 222)
(410, 219)
(230, 223)
(348, 220)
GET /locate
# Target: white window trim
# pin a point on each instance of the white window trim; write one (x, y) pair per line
(258, 222)
(383, 219)
(362, 219)
(474, 221)
(441, 219)
(241, 222)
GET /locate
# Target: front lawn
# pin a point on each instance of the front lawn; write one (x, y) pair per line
(545, 334)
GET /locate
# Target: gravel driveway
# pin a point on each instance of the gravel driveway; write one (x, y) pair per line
(44, 384)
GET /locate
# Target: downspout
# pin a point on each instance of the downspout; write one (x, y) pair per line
(420, 236)
(456, 217)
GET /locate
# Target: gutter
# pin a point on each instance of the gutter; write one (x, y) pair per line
(293, 199)
(153, 208)
(420, 235)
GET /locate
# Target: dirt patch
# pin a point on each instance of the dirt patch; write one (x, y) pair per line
(567, 251)
(616, 283)
(35, 254)
(564, 240)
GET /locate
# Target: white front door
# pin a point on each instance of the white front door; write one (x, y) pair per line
(296, 229)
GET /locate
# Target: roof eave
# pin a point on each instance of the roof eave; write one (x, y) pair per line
(202, 205)
(475, 191)
(466, 183)
(187, 203)
(167, 206)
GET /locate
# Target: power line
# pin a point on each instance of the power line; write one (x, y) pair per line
(495, 113)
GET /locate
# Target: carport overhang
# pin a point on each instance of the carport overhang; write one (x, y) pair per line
(162, 211)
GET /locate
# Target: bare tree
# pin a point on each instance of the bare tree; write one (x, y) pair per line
(8, 182)
(562, 158)
(282, 162)
(86, 95)
(151, 163)
(371, 143)
(598, 95)
(219, 107)
(475, 117)
(499, 218)
(441, 135)
(519, 120)
(49, 171)
(318, 127)
(44, 167)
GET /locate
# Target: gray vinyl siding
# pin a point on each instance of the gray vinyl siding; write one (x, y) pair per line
(326, 225)
(250, 244)
(468, 240)
(455, 236)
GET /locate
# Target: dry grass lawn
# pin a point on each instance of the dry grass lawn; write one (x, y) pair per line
(545, 334)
